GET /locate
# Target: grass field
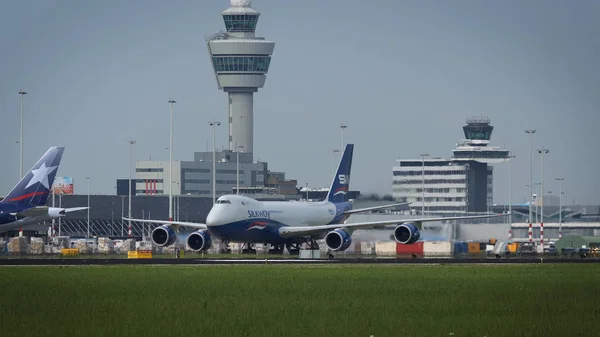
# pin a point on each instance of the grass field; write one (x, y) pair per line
(268, 300)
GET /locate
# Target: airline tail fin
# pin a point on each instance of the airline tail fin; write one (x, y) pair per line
(34, 188)
(341, 180)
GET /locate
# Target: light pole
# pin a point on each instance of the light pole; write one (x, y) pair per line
(171, 102)
(237, 173)
(131, 142)
(122, 214)
(88, 210)
(306, 192)
(60, 206)
(423, 155)
(510, 158)
(333, 152)
(542, 152)
(560, 193)
(22, 93)
(537, 195)
(343, 127)
(530, 132)
(214, 124)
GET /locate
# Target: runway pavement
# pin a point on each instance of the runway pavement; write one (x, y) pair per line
(230, 261)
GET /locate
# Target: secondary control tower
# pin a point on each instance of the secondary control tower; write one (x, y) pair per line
(240, 61)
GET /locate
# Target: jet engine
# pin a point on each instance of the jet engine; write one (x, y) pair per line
(199, 240)
(406, 233)
(338, 240)
(163, 236)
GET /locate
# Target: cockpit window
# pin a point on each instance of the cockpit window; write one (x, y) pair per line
(223, 202)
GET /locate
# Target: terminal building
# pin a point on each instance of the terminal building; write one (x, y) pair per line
(462, 183)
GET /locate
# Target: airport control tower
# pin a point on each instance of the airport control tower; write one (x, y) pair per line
(240, 61)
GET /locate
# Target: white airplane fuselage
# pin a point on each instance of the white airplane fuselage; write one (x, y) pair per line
(242, 219)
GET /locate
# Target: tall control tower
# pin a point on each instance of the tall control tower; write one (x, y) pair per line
(240, 61)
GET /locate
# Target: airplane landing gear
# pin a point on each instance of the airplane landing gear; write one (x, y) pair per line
(248, 248)
(293, 248)
(276, 250)
(225, 247)
(312, 243)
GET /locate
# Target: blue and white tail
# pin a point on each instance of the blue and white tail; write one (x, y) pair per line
(34, 188)
(341, 181)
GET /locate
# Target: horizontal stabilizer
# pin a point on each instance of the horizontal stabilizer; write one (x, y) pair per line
(75, 209)
(31, 212)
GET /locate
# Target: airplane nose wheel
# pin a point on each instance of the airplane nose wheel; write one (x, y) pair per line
(225, 247)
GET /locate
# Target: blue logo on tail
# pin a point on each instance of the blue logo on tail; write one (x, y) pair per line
(341, 181)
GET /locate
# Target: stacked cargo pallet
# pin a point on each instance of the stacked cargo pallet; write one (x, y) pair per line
(385, 248)
(437, 249)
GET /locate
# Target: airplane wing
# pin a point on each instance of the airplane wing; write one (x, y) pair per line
(287, 232)
(361, 210)
(194, 225)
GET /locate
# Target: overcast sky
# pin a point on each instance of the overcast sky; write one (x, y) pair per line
(403, 75)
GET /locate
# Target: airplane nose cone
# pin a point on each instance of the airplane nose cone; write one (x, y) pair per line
(211, 219)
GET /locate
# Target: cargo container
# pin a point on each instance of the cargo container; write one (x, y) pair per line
(460, 247)
(367, 248)
(385, 248)
(409, 250)
(437, 248)
(474, 247)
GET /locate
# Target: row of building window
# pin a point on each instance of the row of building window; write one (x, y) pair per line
(221, 171)
(148, 170)
(430, 181)
(192, 170)
(240, 23)
(142, 181)
(196, 181)
(433, 199)
(139, 192)
(430, 190)
(429, 173)
(192, 191)
(242, 63)
(229, 182)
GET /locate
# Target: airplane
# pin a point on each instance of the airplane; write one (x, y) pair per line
(237, 218)
(25, 204)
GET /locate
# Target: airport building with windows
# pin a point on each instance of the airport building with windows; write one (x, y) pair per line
(195, 177)
(462, 183)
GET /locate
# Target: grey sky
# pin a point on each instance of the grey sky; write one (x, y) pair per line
(403, 75)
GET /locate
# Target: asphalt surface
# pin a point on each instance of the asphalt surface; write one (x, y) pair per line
(190, 261)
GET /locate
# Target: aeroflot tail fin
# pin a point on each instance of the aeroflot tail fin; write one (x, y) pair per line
(341, 180)
(34, 187)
